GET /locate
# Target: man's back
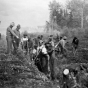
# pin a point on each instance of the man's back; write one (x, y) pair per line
(62, 42)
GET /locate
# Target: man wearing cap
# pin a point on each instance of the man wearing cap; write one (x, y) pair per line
(16, 41)
(9, 37)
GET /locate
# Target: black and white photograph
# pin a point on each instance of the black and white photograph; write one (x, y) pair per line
(43, 43)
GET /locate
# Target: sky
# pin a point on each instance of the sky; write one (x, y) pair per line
(27, 13)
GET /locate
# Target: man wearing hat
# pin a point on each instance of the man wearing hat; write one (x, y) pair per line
(16, 41)
(9, 37)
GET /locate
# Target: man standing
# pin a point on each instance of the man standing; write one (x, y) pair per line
(50, 46)
(30, 44)
(62, 45)
(16, 41)
(24, 43)
(9, 37)
(75, 43)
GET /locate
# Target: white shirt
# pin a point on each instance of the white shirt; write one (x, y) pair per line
(24, 39)
(62, 42)
(40, 47)
(34, 51)
(44, 50)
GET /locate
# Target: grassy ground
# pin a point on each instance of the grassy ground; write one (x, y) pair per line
(19, 72)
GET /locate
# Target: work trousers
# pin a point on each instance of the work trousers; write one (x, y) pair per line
(52, 64)
(9, 45)
(15, 45)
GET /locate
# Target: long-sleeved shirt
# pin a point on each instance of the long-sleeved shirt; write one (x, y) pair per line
(62, 42)
(17, 33)
(10, 33)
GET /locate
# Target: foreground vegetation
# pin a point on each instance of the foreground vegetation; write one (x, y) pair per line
(19, 72)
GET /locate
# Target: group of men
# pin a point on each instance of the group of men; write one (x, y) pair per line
(43, 52)
(12, 37)
(47, 49)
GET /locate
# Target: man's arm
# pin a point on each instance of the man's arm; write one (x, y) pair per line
(57, 44)
(12, 32)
